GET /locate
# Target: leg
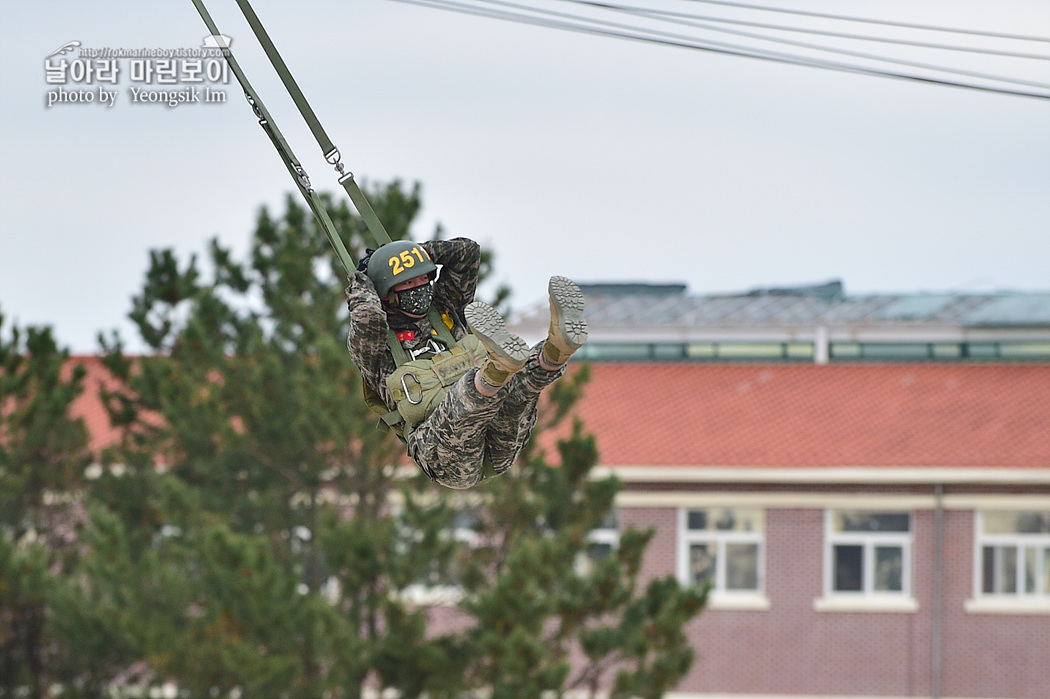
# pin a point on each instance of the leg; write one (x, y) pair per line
(568, 328)
(450, 444)
(506, 351)
(511, 427)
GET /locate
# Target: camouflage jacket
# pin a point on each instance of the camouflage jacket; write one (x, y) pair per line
(458, 262)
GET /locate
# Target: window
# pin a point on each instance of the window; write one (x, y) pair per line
(799, 350)
(1013, 551)
(868, 553)
(750, 350)
(601, 543)
(1025, 350)
(722, 547)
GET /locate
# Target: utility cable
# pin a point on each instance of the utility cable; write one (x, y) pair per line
(887, 23)
(751, 35)
(712, 47)
(677, 17)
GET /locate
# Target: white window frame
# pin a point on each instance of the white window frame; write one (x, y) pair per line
(1041, 543)
(719, 597)
(868, 598)
(609, 535)
(426, 595)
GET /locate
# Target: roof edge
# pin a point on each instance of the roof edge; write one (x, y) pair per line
(911, 475)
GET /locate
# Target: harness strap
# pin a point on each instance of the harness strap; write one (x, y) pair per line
(437, 321)
(444, 333)
(393, 418)
(295, 169)
(390, 420)
(401, 355)
(331, 153)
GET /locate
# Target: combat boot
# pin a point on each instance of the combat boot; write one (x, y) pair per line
(506, 351)
(568, 329)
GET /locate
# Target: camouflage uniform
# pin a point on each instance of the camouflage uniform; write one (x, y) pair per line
(467, 429)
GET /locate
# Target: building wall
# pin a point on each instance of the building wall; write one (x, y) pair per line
(793, 649)
(987, 655)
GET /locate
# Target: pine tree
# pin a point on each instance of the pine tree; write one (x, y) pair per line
(43, 454)
(252, 536)
(274, 497)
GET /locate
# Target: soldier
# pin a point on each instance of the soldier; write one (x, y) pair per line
(457, 400)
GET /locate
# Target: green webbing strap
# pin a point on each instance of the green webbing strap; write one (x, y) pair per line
(295, 169)
(443, 332)
(298, 173)
(331, 153)
(390, 420)
(401, 355)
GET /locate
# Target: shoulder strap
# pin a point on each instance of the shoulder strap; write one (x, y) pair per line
(400, 355)
(437, 321)
(444, 333)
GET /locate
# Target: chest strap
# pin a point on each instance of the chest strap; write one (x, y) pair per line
(437, 322)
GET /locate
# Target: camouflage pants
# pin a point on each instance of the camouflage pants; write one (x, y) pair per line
(467, 428)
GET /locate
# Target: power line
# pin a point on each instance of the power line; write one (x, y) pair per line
(666, 38)
(788, 42)
(448, 5)
(887, 23)
(675, 17)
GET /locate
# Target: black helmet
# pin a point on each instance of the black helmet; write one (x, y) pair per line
(398, 262)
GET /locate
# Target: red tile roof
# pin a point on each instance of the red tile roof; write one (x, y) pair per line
(88, 406)
(770, 415)
(789, 415)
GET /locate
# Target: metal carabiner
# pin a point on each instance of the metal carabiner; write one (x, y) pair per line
(430, 345)
(408, 393)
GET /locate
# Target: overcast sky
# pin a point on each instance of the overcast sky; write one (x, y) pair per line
(566, 153)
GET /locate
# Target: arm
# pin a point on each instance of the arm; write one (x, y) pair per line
(367, 338)
(460, 259)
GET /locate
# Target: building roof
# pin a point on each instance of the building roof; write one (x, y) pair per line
(784, 415)
(819, 323)
(88, 405)
(827, 304)
(619, 312)
(804, 415)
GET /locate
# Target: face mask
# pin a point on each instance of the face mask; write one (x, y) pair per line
(416, 301)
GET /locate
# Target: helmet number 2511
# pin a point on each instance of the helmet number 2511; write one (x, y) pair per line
(405, 260)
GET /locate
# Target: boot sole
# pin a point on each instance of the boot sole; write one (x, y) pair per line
(504, 347)
(568, 303)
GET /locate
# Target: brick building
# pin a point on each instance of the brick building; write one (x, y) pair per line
(864, 482)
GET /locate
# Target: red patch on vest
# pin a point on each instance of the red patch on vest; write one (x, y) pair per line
(406, 335)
